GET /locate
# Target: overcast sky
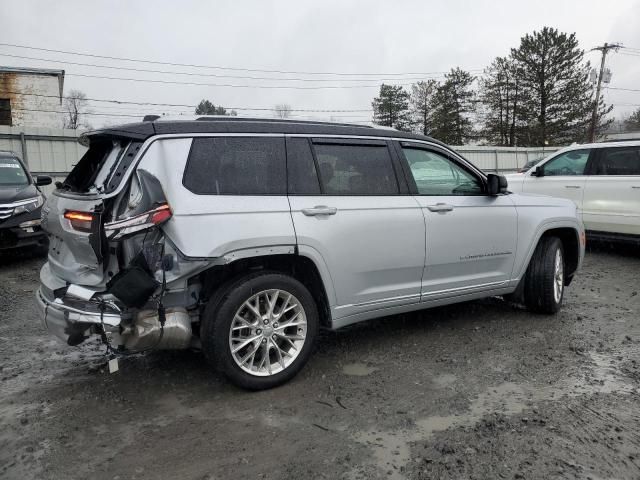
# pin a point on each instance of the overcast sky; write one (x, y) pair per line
(340, 36)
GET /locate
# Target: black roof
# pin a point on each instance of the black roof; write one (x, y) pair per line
(144, 130)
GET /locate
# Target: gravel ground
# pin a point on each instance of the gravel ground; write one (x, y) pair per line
(478, 390)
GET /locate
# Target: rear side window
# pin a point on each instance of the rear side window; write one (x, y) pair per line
(618, 161)
(355, 169)
(236, 166)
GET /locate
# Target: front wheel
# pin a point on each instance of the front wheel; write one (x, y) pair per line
(261, 330)
(544, 280)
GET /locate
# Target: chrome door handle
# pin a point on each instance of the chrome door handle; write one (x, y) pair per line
(572, 186)
(635, 186)
(319, 210)
(440, 207)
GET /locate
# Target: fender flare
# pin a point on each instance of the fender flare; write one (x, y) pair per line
(540, 231)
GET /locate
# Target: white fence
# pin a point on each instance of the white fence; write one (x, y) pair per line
(55, 151)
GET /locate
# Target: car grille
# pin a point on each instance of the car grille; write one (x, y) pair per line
(6, 211)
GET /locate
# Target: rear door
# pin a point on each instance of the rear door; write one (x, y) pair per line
(612, 193)
(351, 209)
(471, 237)
(564, 176)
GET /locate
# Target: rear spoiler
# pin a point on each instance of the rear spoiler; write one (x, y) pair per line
(132, 131)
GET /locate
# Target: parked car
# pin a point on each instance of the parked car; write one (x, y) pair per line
(20, 204)
(602, 179)
(244, 236)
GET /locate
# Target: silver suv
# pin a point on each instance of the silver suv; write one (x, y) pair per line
(243, 237)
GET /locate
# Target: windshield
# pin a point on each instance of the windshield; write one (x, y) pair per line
(12, 173)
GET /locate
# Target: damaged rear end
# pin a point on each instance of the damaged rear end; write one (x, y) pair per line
(109, 258)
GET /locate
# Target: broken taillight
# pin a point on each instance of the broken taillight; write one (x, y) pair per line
(80, 221)
(137, 223)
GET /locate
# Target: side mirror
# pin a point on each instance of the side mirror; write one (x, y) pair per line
(496, 184)
(42, 180)
(538, 172)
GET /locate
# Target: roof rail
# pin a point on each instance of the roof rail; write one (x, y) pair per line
(230, 118)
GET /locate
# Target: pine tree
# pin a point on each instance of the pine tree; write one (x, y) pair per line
(500, 95)
(557, 97)
(391, 107)
(454, 103)
(205, 107)
(422, 105)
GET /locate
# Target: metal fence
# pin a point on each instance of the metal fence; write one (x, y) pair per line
(55, 151)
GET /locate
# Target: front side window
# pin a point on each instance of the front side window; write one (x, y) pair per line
(12, 173)
(236, 166)
(435, 174)
(568, 163)
(618, 161)
(355, 169)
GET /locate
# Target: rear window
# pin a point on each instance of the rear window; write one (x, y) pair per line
(236, 166)
(102, 167)
(11, 172)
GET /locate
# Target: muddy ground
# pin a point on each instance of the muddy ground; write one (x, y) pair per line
(479, 390)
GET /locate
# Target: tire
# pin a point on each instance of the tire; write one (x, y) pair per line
(544, 282)
(278, 352)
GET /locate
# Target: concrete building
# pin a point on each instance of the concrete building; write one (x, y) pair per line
(31, 97)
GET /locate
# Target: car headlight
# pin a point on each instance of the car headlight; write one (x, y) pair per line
(30, 205)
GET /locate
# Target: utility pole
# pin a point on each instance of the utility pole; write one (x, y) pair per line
(594, 117)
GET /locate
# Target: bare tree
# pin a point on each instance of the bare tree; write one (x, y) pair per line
(282, 110)
(75, 105)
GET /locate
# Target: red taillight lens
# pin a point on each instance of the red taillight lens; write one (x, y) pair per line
(143, 221)
(161, 214)
(80, 221)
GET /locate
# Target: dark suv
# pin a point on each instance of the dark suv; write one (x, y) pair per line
(20, 204)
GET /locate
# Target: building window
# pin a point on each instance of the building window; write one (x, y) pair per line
(5, 111)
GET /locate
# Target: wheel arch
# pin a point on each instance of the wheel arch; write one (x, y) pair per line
(569, 235)
(299, 266)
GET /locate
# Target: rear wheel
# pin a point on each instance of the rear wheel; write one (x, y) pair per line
(544, 280)
(260, 331)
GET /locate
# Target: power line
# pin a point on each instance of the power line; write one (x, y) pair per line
(625, 89)
(216, 67)
(129, 115)
(230, 85)
(242, 77)
(152, 104)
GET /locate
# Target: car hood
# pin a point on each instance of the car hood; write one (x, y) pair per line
(10, 194)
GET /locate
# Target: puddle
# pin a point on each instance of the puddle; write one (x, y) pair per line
(391, 450)
(358, 369)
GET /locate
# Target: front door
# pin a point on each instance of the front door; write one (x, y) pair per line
(563, 176)
(347, 206)
(471, 237)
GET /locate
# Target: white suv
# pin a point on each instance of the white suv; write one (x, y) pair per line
(244, 236)
(603, 179)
